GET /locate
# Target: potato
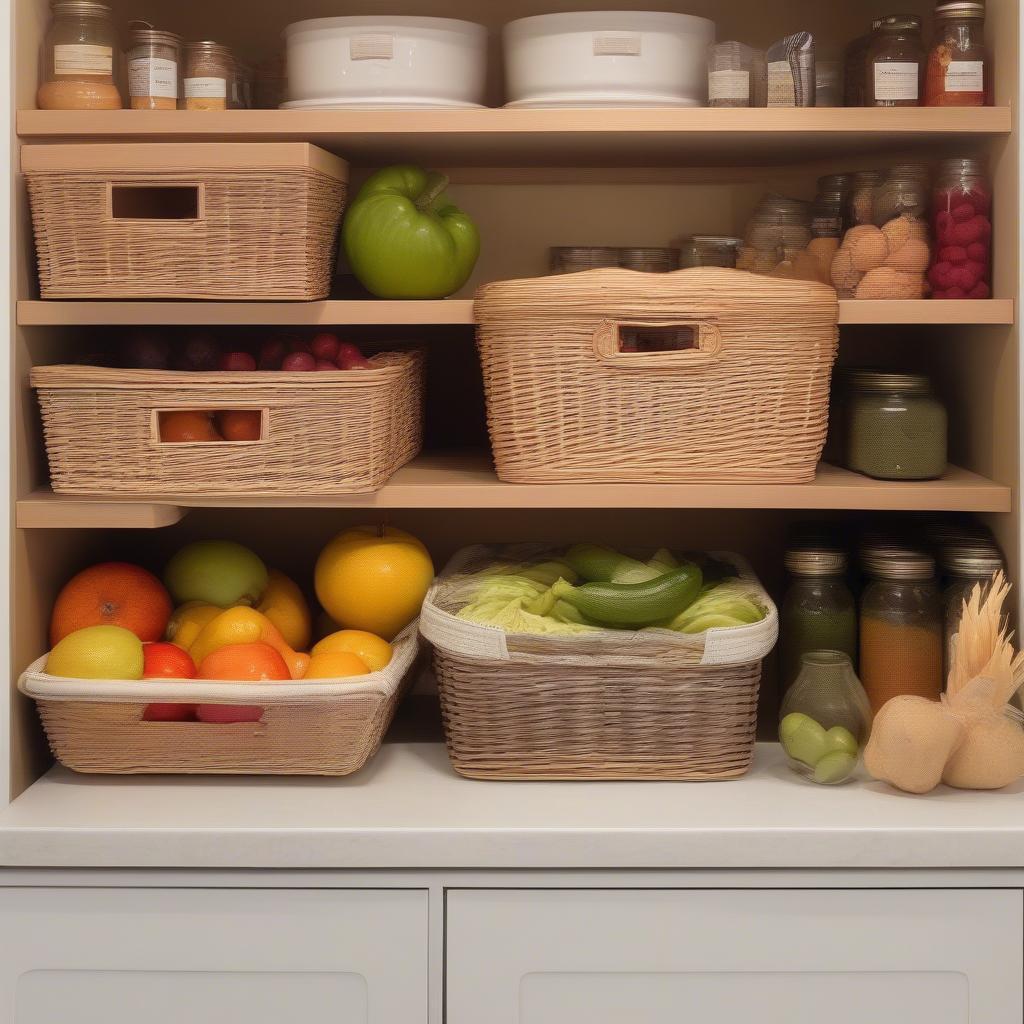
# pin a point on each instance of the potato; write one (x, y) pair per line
(886, 283)
(910, 258)
(869, 250)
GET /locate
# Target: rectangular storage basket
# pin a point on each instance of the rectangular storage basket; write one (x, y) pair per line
(326, 727)
(185, 220)
(573, 397)
(605, 705)
(322, 433)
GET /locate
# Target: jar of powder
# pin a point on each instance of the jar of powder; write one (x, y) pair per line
(208, 73)
(154, 60)
(78, 59)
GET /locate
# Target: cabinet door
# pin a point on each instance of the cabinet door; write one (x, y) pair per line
(212, 956)
(725, 957)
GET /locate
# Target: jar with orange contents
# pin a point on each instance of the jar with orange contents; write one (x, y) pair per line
(78, 59)
(957, 69)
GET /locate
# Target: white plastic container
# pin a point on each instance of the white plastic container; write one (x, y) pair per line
(385, 61)
(607, 58)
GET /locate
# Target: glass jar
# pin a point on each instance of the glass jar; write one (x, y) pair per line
(737, 76)
(965, 566)
(649, 259)
(818, 611)
(825, 719)
(828, 212)
(956, 75)
(154, 61)
(896, 62)
(779, 229)
(855, 68)
(574, 259)
(901, 627)
(962, 222)
(78, 59)
(861, 209)
(828, 83)
(896, 428)
(208, 72)
(709, 251)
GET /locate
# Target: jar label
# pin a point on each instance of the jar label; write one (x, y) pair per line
(728, 85)
(781, 84)
(965, 76)
(372, 47)
(897, 80)
(619, 45)
(82, 59)
(153, 76)
(206, 88)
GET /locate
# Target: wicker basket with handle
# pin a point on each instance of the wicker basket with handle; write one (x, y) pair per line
(579, 392)
(322, 433)
(323, 727)
(185, 220)
(603, 705)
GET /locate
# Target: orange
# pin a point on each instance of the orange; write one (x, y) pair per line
(335, 665)
(112, 594)
(240, 424)
(166, 661)
(246, 626)
(285, 605)
(371, 649)
(186, 425)
(244, 663)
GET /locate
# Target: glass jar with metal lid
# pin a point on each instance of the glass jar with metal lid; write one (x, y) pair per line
(961, 265)
(896, 428)
(649, 259)
(901, 627)
(709, 251)
(818, 611)
(957, 68)
(78, 59)
(896, 62)
(573, 259)
(828, 212)
(154, 63)
(861, 206)
(208, 71)
(965, 565)
(902, 192)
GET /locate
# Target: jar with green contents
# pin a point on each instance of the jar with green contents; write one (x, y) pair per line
(818, 611)
(896, 427)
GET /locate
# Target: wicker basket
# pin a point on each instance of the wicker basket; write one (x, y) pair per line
(326, 727)
(604, 705)
(323, 433)
(742, 398)
(185, 221)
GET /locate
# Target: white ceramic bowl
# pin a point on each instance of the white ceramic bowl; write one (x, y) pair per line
(386, 62)
(607, 58)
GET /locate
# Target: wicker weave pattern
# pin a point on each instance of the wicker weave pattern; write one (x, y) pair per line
(324, 433)
(266, 234)
(750, 404)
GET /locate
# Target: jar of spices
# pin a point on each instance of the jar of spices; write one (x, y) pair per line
(901, 627)
(962, 221)
(956, 63)
(818, 611)
(78, 59)
(896, 427)
(208, 71)
(574, 259)
(154, 59)
(737, 76)
(649, 259)
(896, 62)
(965, 566)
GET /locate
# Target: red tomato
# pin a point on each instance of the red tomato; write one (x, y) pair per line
(166, 661)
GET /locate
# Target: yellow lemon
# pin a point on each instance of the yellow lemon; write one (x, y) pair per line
(97, 652)
(335, 665)
(285, 605)
(188, 621)
(373, 580)
(372, 649)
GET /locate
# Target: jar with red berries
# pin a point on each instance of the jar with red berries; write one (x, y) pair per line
(962, 214)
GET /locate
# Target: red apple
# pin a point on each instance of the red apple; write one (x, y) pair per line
(301, 361)
(228, 714)
(239, 361)
(356, 362)
(325, 346)
(326, 364)
(347, 350)
(272, 353)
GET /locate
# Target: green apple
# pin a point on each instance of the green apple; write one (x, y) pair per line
(803, 739)
(218, 572)
(834, 768)
(841, 741)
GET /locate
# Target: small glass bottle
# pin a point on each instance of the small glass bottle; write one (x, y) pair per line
(818, 611)
(154, 68)
(957, 69)
(896, 62)
(896, 428)
(78, 59)
(962, 223)
(965, 565)
(207, 76)
(901, 627)
(825, 719)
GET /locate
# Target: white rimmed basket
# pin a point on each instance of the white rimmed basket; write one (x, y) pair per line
(605, 705)
(327, 727)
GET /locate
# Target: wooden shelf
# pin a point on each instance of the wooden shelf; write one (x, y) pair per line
(467, 481)
(499, 137)
(33, 313)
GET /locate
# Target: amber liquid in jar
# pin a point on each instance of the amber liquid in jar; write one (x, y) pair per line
(896, 63)
(78, 59)
(957, 71)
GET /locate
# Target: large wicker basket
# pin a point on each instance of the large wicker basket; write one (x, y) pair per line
(605, 705)
(322, 433)
(185, 220)
(740, 395)
(326, 727)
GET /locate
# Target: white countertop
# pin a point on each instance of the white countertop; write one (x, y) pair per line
(409, 810)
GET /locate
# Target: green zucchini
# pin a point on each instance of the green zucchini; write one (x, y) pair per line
(598, 564)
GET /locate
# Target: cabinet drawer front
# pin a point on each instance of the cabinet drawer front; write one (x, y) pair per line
(775, 956)
(207, 956)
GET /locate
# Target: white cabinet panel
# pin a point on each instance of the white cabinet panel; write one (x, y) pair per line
(720, 957)
(208, 956)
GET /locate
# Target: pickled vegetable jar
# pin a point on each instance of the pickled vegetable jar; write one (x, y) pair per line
(78, 59)
(956, 75)
(962, 214)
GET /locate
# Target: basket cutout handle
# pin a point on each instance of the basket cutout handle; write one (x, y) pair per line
(165, 433)
(138, 201)
(657, 344)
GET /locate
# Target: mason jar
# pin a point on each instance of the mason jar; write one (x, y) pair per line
(896, 62)
(154, 68)
(957, 62)
(965, 565)
(961, 266)
(78, 59)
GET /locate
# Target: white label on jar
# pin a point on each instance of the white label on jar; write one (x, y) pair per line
(897, 80)
(206, 88)
(372, 47)
(618, 45)
(781, 86)
(153, 76)
(728, 85)
(965, 76)
(82, 59)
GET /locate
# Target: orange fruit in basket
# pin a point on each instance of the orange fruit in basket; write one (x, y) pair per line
(167, 661)
(367, 647)
(336, 665)
(112, 594)
(240, 424)
(182, 426)
(253, 663)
